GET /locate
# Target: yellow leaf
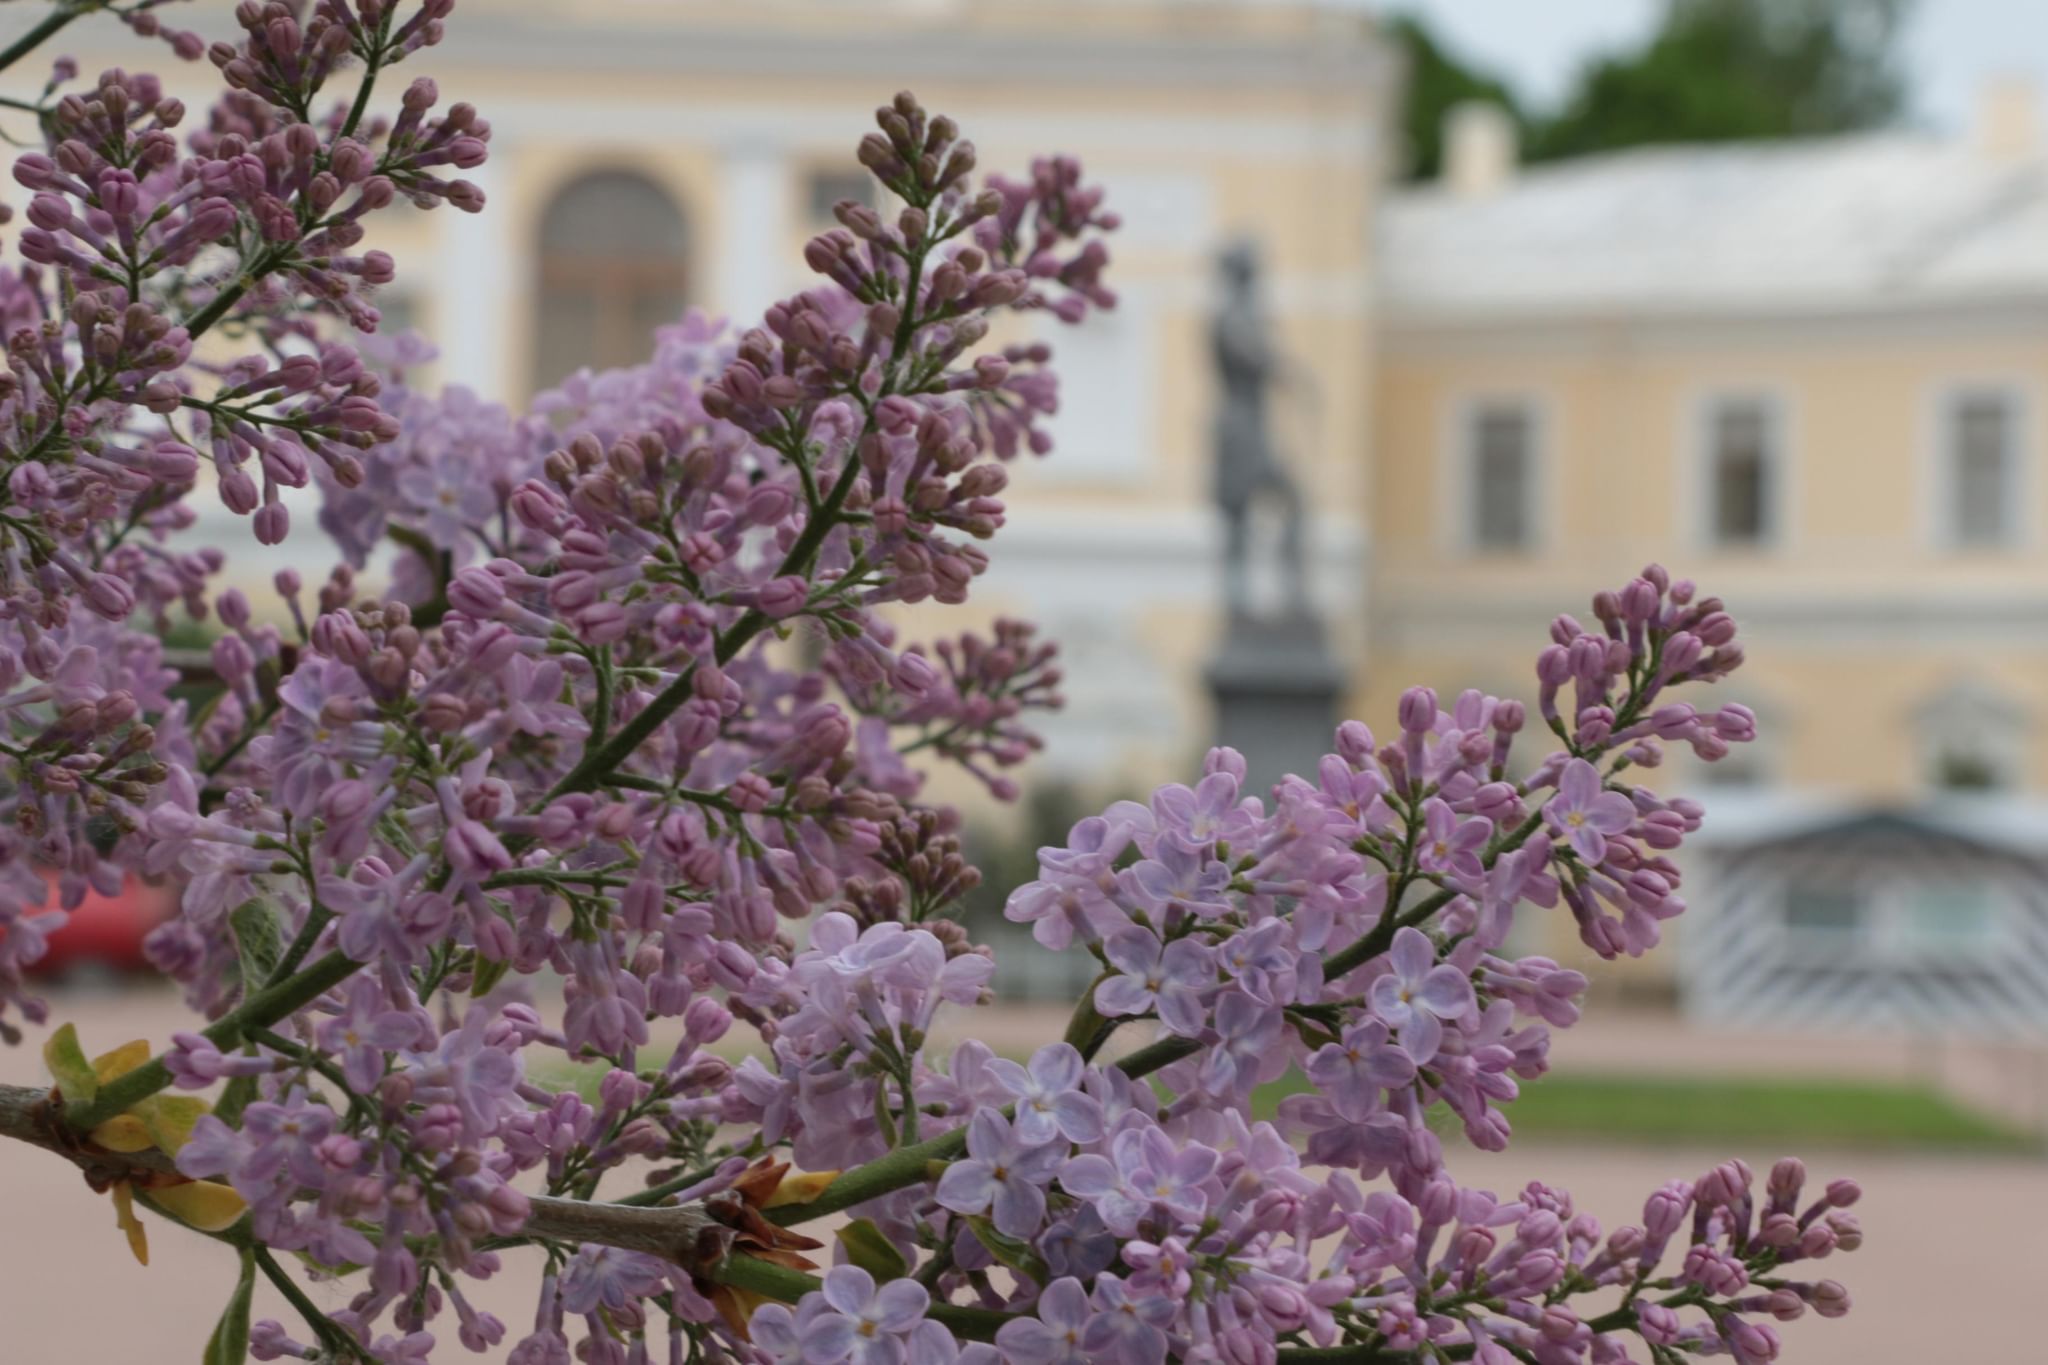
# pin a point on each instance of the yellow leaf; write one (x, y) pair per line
(124, 1218)
(170, 1118)
(124, 1133)
(121, 1060)
(68, 1066)
(800, 1187)
(203, 1204)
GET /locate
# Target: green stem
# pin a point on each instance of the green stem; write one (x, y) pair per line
(1381, 936)
(28, 42)
(657, 1194)
(212, 767)
(317, 918)
(217, 308)
(372, 64)
(323, 1326)
(260, 1010)
(1085, 1033)
(1355, 1354)
(786, 1285)
(629, 737)
(908, 1165)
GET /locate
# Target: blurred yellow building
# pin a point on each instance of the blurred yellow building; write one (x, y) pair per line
(648, 157)
(1809, 375)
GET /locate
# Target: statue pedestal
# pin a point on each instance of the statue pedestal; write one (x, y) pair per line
(1276, 688)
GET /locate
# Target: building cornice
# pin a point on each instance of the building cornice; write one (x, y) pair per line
(1973, 617)
(2020, 311)
(1151, 46)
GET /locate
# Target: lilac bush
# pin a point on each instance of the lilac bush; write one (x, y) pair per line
(632, 717)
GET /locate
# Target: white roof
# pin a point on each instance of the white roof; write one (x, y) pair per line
(1834, 224)
(2014, 823)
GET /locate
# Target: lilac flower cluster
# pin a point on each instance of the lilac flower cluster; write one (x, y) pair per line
(632, 719)
(141, 240)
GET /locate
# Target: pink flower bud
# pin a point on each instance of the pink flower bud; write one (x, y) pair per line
(110, 596)
(1418, 711)
(476, 592)
(783, 597)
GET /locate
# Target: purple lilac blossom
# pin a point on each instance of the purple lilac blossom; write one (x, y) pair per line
(568, 740)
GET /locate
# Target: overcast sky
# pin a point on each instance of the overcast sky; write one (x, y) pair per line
(1951, 46)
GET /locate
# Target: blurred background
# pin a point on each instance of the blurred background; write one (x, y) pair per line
(1754, 288)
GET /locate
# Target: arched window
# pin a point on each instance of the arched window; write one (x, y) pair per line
(1973, 738)
(612, 269)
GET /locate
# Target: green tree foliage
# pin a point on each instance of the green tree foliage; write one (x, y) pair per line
(1437, 82)
(1715, 71)
(1721, 70)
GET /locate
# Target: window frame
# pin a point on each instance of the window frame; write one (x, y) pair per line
(1701, 486)
(1458, 510)
(808, 175)
(1940, 482)
(1958, 711)
(1883, 936)
(611, 281)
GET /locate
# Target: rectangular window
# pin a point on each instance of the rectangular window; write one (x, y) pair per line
(1959, 918)
(1741, 474)
(1983, 463)
(823, 189)
(1503, 478)
(1822, 914)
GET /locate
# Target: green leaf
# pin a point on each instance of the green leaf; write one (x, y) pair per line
(69, 1068)
(1017, 1255)
(487, 974)
(169, 1119)
(233, 1100)
(885, 1119)
(229, 1344)
(867, 1248)
(259, 942)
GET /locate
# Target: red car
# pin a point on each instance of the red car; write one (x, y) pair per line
(107, 931)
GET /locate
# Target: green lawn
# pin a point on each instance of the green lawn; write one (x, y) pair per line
(1793, 1110)
(1633, 1109)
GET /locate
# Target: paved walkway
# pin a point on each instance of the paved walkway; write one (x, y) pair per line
(1954, 1251)
(2008, 1080)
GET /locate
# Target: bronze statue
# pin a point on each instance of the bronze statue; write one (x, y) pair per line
(1248, 469)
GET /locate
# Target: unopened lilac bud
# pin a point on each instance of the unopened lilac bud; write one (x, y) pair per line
(914, 675)
(1829, 1299)
(272, 523)
(336, 634)
(784, 597)
(1665, 1210)
(1716, 629)
(1558, 1323)
(1355, 743)
(1843, 1193)
(477, 592)
(706, 1020)
(233, 608)
(1418, 711)
(110, 596)
(444, 713)
(232, 659)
